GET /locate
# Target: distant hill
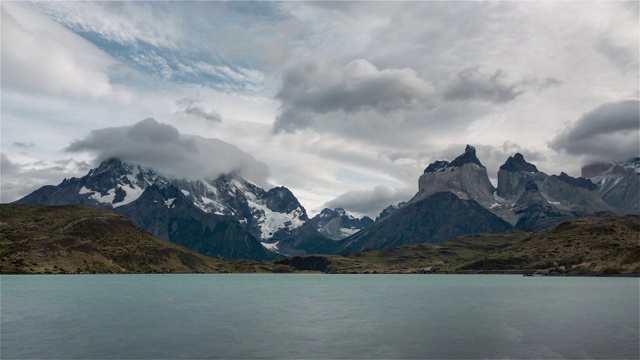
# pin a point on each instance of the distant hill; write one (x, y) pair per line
(80, 239)
(594, 245)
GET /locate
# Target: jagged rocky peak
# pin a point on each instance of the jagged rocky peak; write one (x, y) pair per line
(577, 182)
(112, 165)
(468, 157)
(340, 211)
(337, 224)
(598, 169)
(436, 166)
(517, 163)
(465, 177)
(515, 175)
(594, 169)
(109, 173)
(618, 183)
(389, 210)
(280, 199)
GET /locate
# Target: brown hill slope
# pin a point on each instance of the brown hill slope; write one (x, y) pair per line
(79, 239)
(585, 246)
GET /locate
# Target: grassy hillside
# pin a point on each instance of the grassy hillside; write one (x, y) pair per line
(78, 239)
(585, 246)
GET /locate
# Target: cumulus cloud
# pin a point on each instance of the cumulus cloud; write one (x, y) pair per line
(318, 87)
(164, 148)
(192, 108)
(607, 133)
(370, 202)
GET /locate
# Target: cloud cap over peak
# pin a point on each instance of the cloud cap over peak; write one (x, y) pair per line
(165, 149)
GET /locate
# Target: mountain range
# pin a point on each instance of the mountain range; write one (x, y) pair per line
(230, 217)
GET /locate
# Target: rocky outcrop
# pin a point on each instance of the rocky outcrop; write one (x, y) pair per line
(514, 174)
(618, 184)
(337, 224)
(435, 218)
(465, 177)
(168, 214)
(389, 210)
(531, 199)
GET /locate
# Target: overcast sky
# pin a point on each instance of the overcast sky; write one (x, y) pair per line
(345, 103)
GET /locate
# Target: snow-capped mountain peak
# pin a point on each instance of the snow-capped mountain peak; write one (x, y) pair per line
(115, 183)
(337, 224)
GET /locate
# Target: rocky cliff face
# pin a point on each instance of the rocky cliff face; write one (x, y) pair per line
(454, 194)
(514, 174)
(170, 215)
(337, 224)
(432, 219)
(465, 176)
(618, 184)
(528, 198)
(389, 210)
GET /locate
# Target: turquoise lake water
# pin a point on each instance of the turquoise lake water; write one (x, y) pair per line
(305, 316)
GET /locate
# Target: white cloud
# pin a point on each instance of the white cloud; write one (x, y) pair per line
(39, 56)
(162, 147)
(373, 111)
(370, 202)
(21, 178)
(122, 22)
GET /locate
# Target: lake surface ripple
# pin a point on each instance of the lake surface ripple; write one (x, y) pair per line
(305, 316)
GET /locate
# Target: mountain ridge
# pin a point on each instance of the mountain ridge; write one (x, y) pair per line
(116, 185)
(231, 217)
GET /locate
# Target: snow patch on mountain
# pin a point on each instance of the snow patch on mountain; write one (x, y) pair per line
(169, 203)
(271, 247)
(132, 193)
(270, 221)
(104, 199)
(348, 231)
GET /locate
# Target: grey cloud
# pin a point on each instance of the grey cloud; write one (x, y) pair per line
(23, 144)
(19, 180)
(201, 113)
(315, 88)
(625, 58)
(607, 133)
(541, 84)
(190, 107)
(471, 84)
(370, 202)
(164, 148)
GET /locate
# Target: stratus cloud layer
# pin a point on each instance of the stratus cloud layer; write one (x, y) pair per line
(162, 147)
